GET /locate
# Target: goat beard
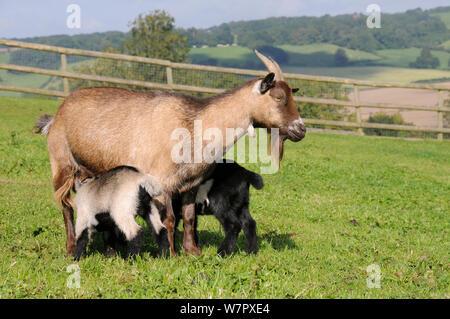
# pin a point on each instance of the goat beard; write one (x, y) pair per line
(277, 159)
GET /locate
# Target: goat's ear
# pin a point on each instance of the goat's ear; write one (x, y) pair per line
(267, 83)
(295, 90)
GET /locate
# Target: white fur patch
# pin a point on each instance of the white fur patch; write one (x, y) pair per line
(294, 123)
(257, 88)
(251, 130)
(46, 128)
(203, 190)
(155, 218)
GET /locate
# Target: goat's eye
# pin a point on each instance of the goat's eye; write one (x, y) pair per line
(277, 98)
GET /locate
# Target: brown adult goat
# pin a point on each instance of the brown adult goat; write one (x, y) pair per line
(97, 129)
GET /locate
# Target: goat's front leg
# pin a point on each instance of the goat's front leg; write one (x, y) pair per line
(169, 222)
(188, 212)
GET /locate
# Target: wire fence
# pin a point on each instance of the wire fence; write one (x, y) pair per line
(324, 102)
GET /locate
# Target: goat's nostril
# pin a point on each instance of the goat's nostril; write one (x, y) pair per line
(303, 128)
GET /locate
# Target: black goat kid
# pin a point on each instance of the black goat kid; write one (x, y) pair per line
(225, 194)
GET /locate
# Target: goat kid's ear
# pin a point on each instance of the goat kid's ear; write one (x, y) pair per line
(267, 83)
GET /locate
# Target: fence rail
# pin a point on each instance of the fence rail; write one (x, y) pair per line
(170, 85)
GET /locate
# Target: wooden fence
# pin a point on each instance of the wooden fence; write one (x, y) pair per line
(65, 74)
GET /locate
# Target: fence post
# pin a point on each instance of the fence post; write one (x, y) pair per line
(169, 75)
(440, 114)
(64, 69)
(357, 108)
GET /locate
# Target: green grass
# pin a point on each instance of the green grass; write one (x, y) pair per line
(323, 53)
(231, 52)
(402, 57)
(395, 190)
(235, 56)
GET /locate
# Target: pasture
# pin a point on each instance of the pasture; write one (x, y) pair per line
(373, 73)
(339, 205)
(318, 59)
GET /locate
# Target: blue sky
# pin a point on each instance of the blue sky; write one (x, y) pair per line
(26, 18)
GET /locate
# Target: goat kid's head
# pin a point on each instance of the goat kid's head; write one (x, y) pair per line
(277, 107)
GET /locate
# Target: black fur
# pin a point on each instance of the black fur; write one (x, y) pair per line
(80, 249)
(229, 201)
(267, 83)
(144, 211)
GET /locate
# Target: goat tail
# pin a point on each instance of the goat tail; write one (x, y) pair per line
(62, 195)
(43, 124)
(255, 179)
(151, 186)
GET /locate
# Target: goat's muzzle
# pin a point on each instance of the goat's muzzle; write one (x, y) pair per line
(296, 131)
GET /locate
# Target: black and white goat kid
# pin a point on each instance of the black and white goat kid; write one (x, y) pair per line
(225, 194)
(111, 202)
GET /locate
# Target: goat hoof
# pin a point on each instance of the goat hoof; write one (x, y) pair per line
(110, 252)
(70, 248)
(77, 256)
(193, 251)
(223, 253)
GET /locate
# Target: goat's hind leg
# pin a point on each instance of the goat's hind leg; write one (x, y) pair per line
(131, 230)
(62, 183)
(232, 227)
(63, 174)
(249, 228)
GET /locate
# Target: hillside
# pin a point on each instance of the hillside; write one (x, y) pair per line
(413, 28)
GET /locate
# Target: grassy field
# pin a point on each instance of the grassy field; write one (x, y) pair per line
(373, 73)
(402, 57)
(232, 56)
(340, 204)
(323, 54)
(317, 58)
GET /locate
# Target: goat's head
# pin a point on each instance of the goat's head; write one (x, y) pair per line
(276, 106)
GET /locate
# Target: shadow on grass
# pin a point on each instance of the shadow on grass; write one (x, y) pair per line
(207, 239)
(97, 246)
(276, 240)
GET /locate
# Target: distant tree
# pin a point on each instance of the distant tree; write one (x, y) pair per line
(425, 60)
(153, 35)
(222, 34)
(340, 57)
